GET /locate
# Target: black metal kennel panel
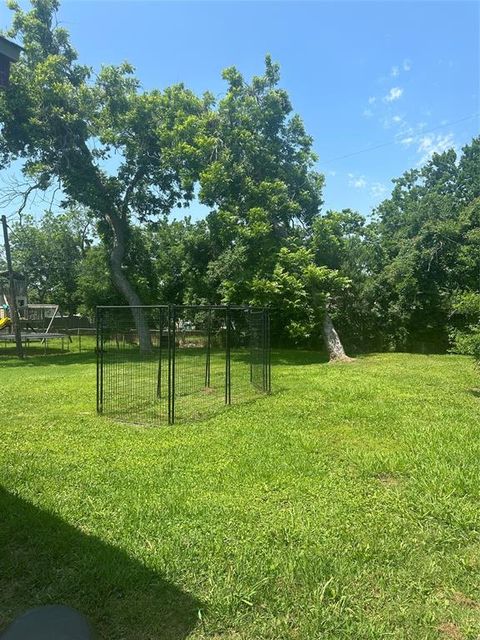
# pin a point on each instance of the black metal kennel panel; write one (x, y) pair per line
(259, 332)
(132, 380)
(166, 363)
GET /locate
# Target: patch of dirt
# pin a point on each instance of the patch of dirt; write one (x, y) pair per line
(464, 601)
(388, 479)
(208, 391)
(345, 359)
(450, 630)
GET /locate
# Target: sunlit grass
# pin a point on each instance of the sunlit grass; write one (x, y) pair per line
(345, 505)
(135, 385)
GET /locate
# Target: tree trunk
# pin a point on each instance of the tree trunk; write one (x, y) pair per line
(336, 352)
(117, 254)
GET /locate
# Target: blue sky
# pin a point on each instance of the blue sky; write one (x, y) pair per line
(361, 74)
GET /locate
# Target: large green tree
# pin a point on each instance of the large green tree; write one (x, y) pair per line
(181, 251)
(261, 181)
(342, 240)
(50, 252)
(114, 149)
(429, 248)
(95, 285)
(466, 338)
(265, 195)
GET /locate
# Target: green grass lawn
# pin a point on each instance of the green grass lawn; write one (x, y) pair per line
(135, 387)
(345, 505)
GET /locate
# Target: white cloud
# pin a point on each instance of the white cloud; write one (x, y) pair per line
(357, 182)
(372, 100)
(367, 113)
(394, 72)
(409, 134)
(405, 131)
(394, 94)
(434, 143)
(378, 190)
(407, 65)
(394, 121)
(332, 173)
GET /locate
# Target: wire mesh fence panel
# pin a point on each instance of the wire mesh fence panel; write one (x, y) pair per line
(199, 361)
(132, 363)
(259, 334)
(81, 339)
(178, 362)
(241, 387)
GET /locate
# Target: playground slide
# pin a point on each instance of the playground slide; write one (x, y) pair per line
(4, 323)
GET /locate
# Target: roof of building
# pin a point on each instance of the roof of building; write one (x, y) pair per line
(9, 49)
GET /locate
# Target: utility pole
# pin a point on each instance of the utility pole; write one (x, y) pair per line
(13, 294)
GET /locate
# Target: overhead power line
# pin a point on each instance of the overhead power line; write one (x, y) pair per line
(390, 142)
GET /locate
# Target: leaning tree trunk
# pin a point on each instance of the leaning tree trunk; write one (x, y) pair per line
(336, 352)
(120, 280)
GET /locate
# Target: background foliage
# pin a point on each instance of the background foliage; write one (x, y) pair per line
(405, 278)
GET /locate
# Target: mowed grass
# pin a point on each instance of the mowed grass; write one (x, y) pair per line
(345, 505)
(135, 385)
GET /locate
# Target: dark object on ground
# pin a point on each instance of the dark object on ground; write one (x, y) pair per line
(52, 622)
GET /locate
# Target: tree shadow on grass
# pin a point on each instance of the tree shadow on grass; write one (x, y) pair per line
(290, 357)
(46, 360)
(297, 357)
(44, 560)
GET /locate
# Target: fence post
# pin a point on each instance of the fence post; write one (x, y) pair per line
(228, 383)
(209, 345)
(269, 355)
(159, 373)
(264, 351)
(169, 350)
(99, 350)
(250, 339)
(174, 350)
(14, 316)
